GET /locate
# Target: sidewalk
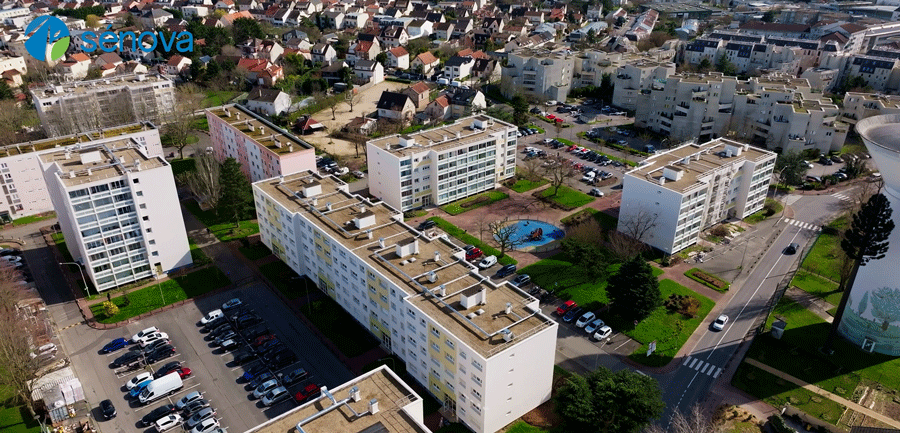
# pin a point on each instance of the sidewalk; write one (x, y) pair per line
(811, 302)
(835, 398)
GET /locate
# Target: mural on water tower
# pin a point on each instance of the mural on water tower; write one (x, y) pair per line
(874, 321)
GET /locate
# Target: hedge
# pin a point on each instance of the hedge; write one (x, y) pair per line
(708, 280)
(458, 233)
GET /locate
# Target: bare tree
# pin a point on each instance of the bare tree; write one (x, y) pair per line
(695, 421)
(180, 121)
(18, 335)
(638, 225)
(624, 247)
(531, 169)
(204, 180)
(353, 97)
(12, 120)
(558, 171)
(504, 234)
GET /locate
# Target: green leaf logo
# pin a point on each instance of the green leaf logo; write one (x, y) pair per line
(59, 48)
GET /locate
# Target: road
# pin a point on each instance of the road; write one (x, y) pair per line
(698, 371)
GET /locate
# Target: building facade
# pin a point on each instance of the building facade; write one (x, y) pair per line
(118, 210)
(263, 149)
(441, 165)
(82, 106)
(633, 78)
(485, 351)
(541, 73)
(694, 186)
(20, 170)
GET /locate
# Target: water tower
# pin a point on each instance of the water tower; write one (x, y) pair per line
(872, 316)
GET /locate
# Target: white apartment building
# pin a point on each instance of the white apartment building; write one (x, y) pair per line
(695, 186)
(441, 165)
(263, 149)
(81, 106)
(773, 111)
(590, 66)
(382, 402)
(538, 72)
(118, 210)
(484, 350)
(858, 106)
(632, 79)
(882, 74)
(20, 169)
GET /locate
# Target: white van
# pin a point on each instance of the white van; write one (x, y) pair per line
(161, 387)
(443, 81)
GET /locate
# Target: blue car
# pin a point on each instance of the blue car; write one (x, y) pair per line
(136, 391)
(254, 372)
(115, 345)
(258, 380)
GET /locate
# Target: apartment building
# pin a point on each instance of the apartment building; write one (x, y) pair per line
(858, 106)
(538, 72)
(81, 106)
(20, 170)
(633, 78)
(379, 400)
(263, 149)
(862, 41)
(484, 350)
(692, 187)
(441, 165)
(590, 66)
(118, 210)
(882, 74)
(776, 111)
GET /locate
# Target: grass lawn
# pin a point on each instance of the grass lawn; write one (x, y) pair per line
(566, 197)
(524, 185)
(410, 214)
(702, 277)
(474, 202)
(180, 166)
(816, 285)
(255, 251)
(670, 330)
(33, 218)
(779, 392)
(198, 256)
(284, 278)
(223, 231)
(524, 427)
(825, 255)
(606, 221)
(336, 324)
(17, 419)
(149, 299)
(764, 213)
(468, 239)
(218, 97)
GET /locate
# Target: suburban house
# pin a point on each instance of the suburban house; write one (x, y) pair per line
(492, 25)
(366, 47)
(267, 49)
(458, 67)
(419, 93)
(75, 67)
(443, 31)
(465, 102)
(395, 106)
(323, 53)
(368, 71)
(439, 109)
(398, 58)
(271, 102)
(177, 64)
(427, 61)
(261, 71)
(361, 125)
(308, 125)
(394, 36)
(333, 73)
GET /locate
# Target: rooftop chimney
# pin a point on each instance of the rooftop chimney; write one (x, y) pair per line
(437, 256)
(432, 276)
(381, 242)
(508, 307)
(328, 206)
(88, 171)
(355, 394)
(373, 406)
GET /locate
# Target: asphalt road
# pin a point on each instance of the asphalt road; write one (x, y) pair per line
(707, 359)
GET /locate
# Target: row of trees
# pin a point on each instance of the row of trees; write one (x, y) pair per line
(221, 186)
(18, 337)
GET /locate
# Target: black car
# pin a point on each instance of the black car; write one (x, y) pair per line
(156, 414)
(427, 224)
(247, 321)
(161, 353)
(253, 333)
(296, 376)
(282, 360)
(109, 411)
(127, 358)
(244, 356)
(220, 331)
(154, 345)
(572, 314)
(273, 351)
(212, 324)
(166, 369)
(238, 312)
(792, 248)
(268, 345)
(193, 407)
(506, 270)
(231, 344)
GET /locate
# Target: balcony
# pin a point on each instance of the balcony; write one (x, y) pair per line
(683, 108)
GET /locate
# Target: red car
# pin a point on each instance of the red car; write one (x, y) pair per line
(184, 372)
(307, 392)
(473, 254)
(551, 117)
(571, 148)
(262, 339)
(566, 307)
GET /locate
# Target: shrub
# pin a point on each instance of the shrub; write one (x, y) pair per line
(110, 309)
(720, 231)
(687, 306)
(780, 426)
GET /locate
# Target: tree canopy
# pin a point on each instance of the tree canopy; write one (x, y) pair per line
(633, 291)
(791, 167)
(607, 402)
(236, 196)
(82, 12)
(246, 28)
(867, 237)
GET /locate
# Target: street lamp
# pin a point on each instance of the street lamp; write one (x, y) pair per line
(82, 274)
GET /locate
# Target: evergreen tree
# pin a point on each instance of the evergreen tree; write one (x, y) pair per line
(791, 167)
(520, 109)
(633, 291)
(246, 28)
(607, 402)
(5, 91)
(235, 197)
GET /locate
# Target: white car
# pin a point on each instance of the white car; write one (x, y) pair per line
(167, 422)
(550, 102)
(12, 259)
(588, 177)
(211, 315)
(264, 388)
(487, 262)
(590, 328)
(137, 379)
(585, 319)
(137, 337)
(720, 322)
(603, 332)
(275, 395)
(206, 426)
(151, 338)
(547, 140)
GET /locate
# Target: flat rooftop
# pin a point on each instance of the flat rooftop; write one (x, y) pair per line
(68, 140)
(703, 159)
(450, 136)
(79, 165)
(392, 396)
(115, 82)
(889, 101)
(269, 136)
(434, 275)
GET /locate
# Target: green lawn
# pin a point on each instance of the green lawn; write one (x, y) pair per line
(33, 218)
(466, 238)
(566, 197)
(824, 257)
(284, 278)
(778, 392)
(764, 213)
(524, 427)
(215, 98)
(474, 202)
(410, 214)
(223, 231)
(670, 330)
(180, 166)
(198, 256)
(525, 185)
(532, 125)
(149, 298)
(816, 285)
(17, 419)
(255, 251)
(695, 273)
(339, 327)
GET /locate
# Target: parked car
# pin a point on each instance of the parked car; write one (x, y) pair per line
(127, 358)
(224, 337)
(183, 372)
(251, 333)
(585, 319)
(262, 339)
(154, 345)
(265, 387)
(160, 354)
(194, 396)
(253, 373)
(151, 338)
(720, 322)
(208, 425)
(296, 376)
(473, 253)
(596, 192)
(825, 161)
(231, 344)
(202, 415)
(565, 307)
(275, 395)
(425, 225)
(231, 304)
(521, 280)
(138, 379)
(358, 174)
(550, 103)
(140, 335)
(167, 422)
(247, 321)
(282, 360)
(243, 356)
(156, 414)
(195, 406)
(212, 324)
(309, 391)
(167, 368)
(506, 270)
(139, 388)
(260, 378)
(836, 158)
(590, 328)
(572, 314)
(487, 262)
(603, 332)
(114, 345)
(108, 409)
(211, 316)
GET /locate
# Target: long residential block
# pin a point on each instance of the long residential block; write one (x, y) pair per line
(484, 350)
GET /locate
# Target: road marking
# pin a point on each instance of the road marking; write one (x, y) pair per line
(686, 359)
(73, 325)
(841, 196)
(803, 225)
(718, 372)
(705, 367)
(693, 362)
(623, 343)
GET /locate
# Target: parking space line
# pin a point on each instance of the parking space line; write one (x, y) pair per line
(623, 343)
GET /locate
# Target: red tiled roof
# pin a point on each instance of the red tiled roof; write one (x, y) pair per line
(399, 52)
(427, 58)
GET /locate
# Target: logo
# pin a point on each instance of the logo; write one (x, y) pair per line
(49, 31)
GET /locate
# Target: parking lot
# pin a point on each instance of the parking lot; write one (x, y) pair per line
(213, 372)
(607, 174)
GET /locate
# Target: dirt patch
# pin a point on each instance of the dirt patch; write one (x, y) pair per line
(734, 419)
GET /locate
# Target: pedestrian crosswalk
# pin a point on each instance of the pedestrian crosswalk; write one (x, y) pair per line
(803, 225)
(702, 366)
(841, 196)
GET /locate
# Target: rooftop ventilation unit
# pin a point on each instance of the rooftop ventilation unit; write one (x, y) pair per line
(432, 276)
(437, 256)
(328, 206)
(381, 242)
